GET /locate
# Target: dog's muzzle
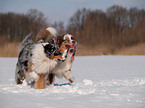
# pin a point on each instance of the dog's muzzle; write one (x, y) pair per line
(58, 52)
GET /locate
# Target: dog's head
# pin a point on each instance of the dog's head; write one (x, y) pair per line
(52, 50)
(66, 41)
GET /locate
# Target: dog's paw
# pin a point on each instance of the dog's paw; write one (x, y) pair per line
(71, 80)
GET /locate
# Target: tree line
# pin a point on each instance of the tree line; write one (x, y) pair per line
(117, 26)
(15, 26)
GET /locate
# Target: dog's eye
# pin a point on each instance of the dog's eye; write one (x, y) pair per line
(63, 40)
(72, 38)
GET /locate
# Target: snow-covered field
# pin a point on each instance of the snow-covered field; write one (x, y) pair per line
(100, 82)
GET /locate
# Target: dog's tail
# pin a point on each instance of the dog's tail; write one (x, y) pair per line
(52, 31)
(27, 40)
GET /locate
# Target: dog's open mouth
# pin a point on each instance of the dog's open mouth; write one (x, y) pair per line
(72, 50)
(67, 46)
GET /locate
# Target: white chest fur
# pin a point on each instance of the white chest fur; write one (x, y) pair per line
(62, 67)
(41, 63)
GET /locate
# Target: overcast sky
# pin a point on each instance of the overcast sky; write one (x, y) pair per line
(62, 10)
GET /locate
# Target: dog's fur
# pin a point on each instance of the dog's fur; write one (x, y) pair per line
(46, 35)
(62, 69)
(35, 61)
(25, 51)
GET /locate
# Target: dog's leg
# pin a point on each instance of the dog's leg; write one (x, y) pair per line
(68, 76)
(40, 83)
(19, 74)
(51, 77)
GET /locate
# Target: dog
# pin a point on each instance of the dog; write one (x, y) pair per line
(63, 67)
(67, 45)
(35, 61)
(46, 35)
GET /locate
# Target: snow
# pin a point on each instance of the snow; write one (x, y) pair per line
(100, 82)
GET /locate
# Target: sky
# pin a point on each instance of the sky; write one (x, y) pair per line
(62, 10)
